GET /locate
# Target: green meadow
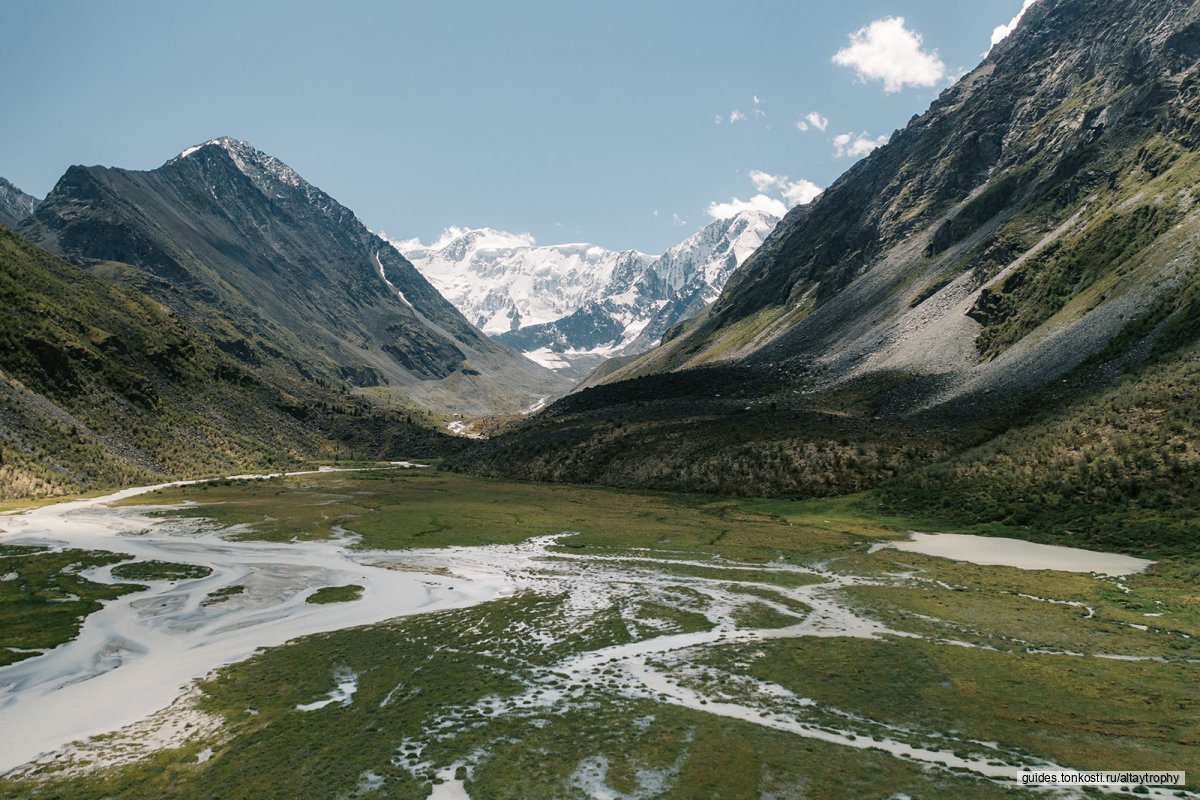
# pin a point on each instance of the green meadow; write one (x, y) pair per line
(974, 661)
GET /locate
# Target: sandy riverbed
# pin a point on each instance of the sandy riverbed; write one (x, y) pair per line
(999, 551)
(142, 651)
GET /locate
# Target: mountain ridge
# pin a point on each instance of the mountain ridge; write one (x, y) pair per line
(946, 180)
(101, 386)
(15, 205)
(1017, 248)
(571, 306)
(283, 275)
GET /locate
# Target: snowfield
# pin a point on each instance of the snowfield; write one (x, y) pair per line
(593, 302)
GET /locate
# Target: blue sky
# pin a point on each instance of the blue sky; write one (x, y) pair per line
(611, 122)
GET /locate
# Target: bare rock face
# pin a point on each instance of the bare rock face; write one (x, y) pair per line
(15, 205)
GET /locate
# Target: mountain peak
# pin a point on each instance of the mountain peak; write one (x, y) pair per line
(15, 205)
(241, 241)
(227, 142)
(568, 306)
(266, 171)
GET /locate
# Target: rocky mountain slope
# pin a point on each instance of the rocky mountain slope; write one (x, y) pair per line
(284, 278)
(572, 306)
(980, 245)
(1020, 245)
(1116, 469)
(100, 385)
(15, 205)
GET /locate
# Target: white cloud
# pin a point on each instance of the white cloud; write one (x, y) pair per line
(797, 193)
(737, 115)
(484, 237)
(678, 220)
(787, 193)
(764, 181)
(856, 146)
(812, 120)
(1000, 31)
(887, 51)
(759, 202)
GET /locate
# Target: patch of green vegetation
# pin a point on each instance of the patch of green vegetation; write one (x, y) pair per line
(673, 619)
(1018, 622)
(795, 606)
(995, 606)
(222, 594)
(159, 571)
(761, 615)
(44, 600)
(1117, 470)
(728, 339)
(397, 510)
(411, 683)
(1048, 281)
(676, 754)
(1081, 712)
(335, 594)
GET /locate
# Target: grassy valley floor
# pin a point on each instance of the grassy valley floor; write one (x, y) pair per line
(654, 645)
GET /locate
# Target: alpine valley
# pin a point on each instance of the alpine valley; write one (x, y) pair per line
(894, 496)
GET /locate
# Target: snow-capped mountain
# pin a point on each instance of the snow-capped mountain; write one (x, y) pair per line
(505, 281)
(571, 306)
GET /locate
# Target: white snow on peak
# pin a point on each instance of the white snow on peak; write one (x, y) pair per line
(267, 172)
(716, 250)
(504, 281)
(474, 238)
(225, 142)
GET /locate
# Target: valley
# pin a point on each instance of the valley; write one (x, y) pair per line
(683, 627)
(880, 482)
